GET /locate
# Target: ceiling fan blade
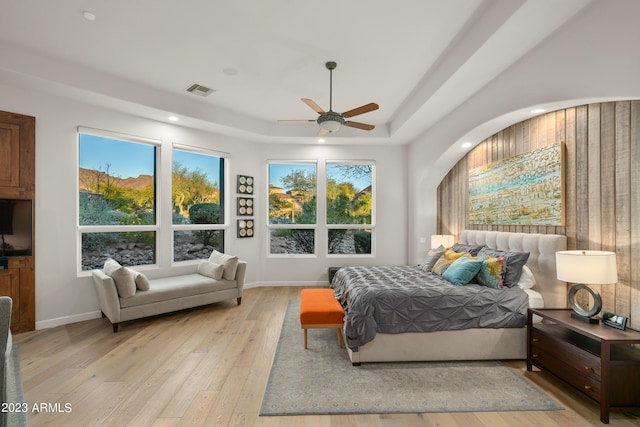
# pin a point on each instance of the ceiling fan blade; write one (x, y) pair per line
(297, 121)
(361, 110)
(358, 125)
(315, 107)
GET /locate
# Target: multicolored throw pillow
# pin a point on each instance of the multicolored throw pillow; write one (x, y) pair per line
(491, 269)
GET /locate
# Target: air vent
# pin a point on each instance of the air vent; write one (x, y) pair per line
(200, 90)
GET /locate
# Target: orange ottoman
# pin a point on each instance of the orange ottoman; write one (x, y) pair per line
(319, 309)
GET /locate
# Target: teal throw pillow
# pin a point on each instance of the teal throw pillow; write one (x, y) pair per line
(462, 270)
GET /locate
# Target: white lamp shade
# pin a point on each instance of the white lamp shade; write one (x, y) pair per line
(446, 240)
(587, 267)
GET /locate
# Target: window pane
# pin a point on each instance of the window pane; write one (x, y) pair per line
(129, 249)
(292, 193)
(117, 182)
(349, 193)
(349, 241)
(198, 244)
(196, 181)
(292, 241)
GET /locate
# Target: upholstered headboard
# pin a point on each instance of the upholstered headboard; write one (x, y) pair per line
(542, 258)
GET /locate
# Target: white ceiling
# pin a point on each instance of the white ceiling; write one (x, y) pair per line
(418, 59)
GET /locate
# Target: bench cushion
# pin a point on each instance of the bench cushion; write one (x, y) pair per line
(320, 307)
(168, 288)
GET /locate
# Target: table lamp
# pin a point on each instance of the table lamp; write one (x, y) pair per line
(446, 240)
(586, 268)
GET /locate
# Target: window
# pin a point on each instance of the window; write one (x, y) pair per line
(292, 208)
(197, 184)
(349, 188)
(117, 200)
(346, 219)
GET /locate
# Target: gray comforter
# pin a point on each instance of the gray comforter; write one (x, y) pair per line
(397, 299)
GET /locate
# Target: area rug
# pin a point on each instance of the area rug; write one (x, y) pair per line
(321, 380)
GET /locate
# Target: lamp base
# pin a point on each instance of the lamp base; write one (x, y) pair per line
(585, 318)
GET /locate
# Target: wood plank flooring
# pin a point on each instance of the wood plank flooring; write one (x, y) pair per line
(209, 367)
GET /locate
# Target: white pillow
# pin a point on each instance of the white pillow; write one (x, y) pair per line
(229, 262)
(535, 301)
(125, 283)
(526, 281)
(142, 282)
(210, 269)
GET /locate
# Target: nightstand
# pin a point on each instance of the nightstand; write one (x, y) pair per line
(602, 363)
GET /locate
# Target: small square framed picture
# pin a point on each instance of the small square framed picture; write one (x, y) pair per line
(614, 320)
(245, 184)
(245, 206)
(245, 228)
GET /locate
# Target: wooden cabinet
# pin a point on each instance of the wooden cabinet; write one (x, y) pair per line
(602, 363)
(17, 182)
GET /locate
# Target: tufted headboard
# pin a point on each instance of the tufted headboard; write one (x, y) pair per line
(542, 258)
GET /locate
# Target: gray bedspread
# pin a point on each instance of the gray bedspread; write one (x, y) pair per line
(397, 299)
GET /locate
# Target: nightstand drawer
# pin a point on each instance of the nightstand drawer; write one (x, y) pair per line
(580, 379)
(554, 347)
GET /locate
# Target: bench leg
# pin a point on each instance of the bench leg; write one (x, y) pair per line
(239, 300)
(305, 338)
(116, 327)
(339, 337)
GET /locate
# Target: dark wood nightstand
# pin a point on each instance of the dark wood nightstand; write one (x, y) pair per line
(602, 363)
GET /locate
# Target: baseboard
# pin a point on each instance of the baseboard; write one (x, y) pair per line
(52, 323)
(262, 284)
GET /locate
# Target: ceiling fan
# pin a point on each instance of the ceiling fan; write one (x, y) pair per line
(330, 121)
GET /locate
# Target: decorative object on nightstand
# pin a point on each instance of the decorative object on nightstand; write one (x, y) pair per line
(446, 240)
(614, 320)
(584, 268)
(245, 184)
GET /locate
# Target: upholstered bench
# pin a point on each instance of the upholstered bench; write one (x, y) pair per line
(319, 309)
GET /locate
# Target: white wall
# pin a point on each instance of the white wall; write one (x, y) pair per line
(591, 59)
(64, 296)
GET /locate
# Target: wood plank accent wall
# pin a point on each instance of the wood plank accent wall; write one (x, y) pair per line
(602, 187)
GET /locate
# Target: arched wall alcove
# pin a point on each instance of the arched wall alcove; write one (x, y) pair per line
(601, 187)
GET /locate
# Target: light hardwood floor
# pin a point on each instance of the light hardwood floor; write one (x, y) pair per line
(209, 367)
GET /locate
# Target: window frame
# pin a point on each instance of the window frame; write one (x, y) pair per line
(224, 226)
(295, 226)
(371, 226)
(89, 229)
(321, 227)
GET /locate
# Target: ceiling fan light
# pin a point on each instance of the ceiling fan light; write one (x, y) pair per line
(330, 121)
(331, 125)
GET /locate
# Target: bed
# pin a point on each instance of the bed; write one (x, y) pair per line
(484, 340)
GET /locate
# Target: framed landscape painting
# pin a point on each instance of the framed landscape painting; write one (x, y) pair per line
(527, 189)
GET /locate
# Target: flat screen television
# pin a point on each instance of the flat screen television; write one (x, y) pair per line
(16, 227)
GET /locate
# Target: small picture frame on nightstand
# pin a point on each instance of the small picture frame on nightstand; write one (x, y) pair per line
(614, 320)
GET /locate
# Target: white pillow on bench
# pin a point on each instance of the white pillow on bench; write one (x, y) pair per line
(229, 262)
(210, 269)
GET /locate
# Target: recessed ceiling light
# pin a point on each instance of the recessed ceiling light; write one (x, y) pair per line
(230, 71)
(88, 16)
(173, 118)
(466, 145)
(538, 110)
(321, 141)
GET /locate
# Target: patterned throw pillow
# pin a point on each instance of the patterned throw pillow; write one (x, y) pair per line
(441, 265)
(490, 274)
(446, 260)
